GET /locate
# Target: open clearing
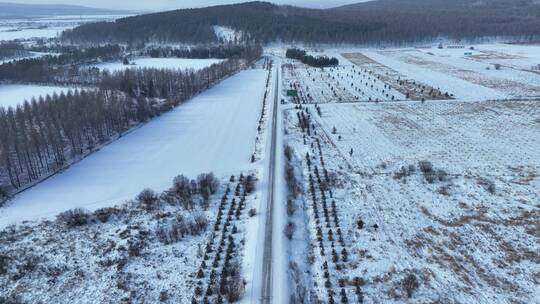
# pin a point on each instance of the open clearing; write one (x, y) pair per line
(12, 95)
(159, 63)
(213, 132)
(464, 231)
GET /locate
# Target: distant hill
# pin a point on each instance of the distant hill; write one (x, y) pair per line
(442, 5)
(13, 10)
(389, 21)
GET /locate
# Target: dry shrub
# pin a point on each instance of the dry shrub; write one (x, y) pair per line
(74, 218)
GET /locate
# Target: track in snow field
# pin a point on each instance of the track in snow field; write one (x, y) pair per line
(266, 292)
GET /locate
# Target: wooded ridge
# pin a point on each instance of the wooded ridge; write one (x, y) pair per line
(378, 21)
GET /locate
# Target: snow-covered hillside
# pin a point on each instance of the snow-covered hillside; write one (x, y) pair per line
(227, 34)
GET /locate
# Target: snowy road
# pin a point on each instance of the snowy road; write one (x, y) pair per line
(271, 275)
(213, 132)
(266, 292)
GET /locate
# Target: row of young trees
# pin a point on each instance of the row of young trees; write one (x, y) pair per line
(198, 52)
(42, 136)
(318, 62)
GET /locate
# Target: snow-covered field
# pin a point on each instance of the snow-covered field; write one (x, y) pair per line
(12, 95)
(411, 201)
(159, 63)
(465, 230)
(30, 33)
(484, 72)
(213, 132)
(47, 27)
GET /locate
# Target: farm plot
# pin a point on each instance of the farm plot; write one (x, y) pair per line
(184, 245)
(487, 68)
(519, 57)
(435, 201)
(346, 83)
(409, 88)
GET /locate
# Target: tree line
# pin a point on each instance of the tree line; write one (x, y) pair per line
(42, 136)
(318, 62)
(10, 50)
(65, 69)
(61, 68)
(198, 52)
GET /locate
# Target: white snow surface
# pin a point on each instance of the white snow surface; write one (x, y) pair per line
(227, 34)
(12, 95)
(159, 63)
(32, 33)
(25, 29)
(212, 132)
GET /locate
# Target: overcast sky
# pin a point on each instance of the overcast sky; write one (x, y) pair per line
(156, 5)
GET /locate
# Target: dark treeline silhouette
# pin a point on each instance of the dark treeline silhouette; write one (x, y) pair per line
(318, 62)
(184, 26)
(396, 21)
(10, 50)
(413, 20)
(86, 55)
(78, 53)
(295, 54)
(42, 136)
(199, 52)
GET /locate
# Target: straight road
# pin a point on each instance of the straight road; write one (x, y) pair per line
(267, 273)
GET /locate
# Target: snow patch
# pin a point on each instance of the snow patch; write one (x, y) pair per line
(12, 95)
(159, 63)
(227, 34)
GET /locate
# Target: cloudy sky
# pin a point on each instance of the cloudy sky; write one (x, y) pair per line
(156, 5)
